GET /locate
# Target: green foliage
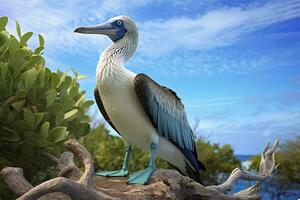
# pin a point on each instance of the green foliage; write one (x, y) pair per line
(287, 178)
(219, 161)
(108, 153)
(39, 109)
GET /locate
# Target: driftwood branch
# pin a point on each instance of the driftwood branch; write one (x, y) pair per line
(267, 168)
(15, 180)
(164, 184)
(65, 164)
(87, 160)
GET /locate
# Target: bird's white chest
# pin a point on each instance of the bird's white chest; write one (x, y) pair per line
(123, 107)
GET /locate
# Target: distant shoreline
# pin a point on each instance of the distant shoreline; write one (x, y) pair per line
(244, 157)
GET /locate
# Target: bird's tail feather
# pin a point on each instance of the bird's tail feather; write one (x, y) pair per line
(190, 171)
(193, 174)
(201, 166)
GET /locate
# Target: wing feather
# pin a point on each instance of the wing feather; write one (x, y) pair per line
(166, 112)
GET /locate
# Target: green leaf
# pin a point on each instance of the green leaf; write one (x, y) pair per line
(13, 45)
(18, 28)
(39, 50)
(68, 103)
(30, 78)
(3, 22)
(83, 130)
(29, 117)
(7, 134)
(37, 119)
(67, 82)
(41, 41)
(37, 60)
(47, 74)
(30, 138)
(20, 126)
(73, 91)
(19, 105)
(11, 116)
(54, 150)
(55, 108)
(41, 78)
(75, 73)
(80, 100)
(85, 119)
(4, 38)
(3, 70)
(44, 130)
(57, 134)
(32, 95)
(87, 104)
(54, 80)
(80, 77)
(17, 58)
(51, 97)
(71, 114)
(59, 117)
(21, 93)
(25, 38)
(62, 78)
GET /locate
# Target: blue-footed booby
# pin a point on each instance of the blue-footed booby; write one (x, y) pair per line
(143, 112)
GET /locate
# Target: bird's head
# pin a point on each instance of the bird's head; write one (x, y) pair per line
(116, 28)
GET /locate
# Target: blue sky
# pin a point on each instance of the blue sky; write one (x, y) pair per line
(235, 64)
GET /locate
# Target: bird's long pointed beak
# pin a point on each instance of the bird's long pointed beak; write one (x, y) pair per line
(104, 29)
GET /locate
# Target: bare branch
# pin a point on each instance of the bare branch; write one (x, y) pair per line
(267, 167)
(268, 162)
(15, 180)
(76, 191)
(87, 160)
(251, 193)
(65, 164)
(52, 158)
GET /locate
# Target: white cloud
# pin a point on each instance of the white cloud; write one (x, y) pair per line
(216, 28)
(213, 102)
(56, 21)
(267, 133)
(221, 27)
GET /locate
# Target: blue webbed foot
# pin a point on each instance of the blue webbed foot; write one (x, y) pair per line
(141, 177)
(117, 173)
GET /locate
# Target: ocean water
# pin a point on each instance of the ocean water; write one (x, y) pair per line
(241, 184)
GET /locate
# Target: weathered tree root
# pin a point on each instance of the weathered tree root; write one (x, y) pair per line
(164, 184)
(267, 168)
(65, 164)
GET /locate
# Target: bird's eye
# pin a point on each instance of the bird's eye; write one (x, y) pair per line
(119, 22)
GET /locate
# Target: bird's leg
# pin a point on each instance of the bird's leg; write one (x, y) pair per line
(142, 177)
(123, 171)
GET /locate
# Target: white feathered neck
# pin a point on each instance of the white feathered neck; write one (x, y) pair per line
(112, 60)
(120, 51)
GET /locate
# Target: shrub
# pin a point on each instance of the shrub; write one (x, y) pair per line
(219, 161)
(39, 109)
